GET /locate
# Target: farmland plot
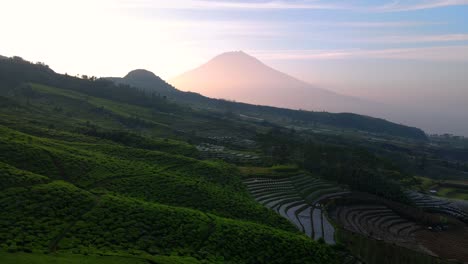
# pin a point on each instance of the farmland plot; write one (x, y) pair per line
(297, 199)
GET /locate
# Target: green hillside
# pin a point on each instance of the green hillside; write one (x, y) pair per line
(97, 173)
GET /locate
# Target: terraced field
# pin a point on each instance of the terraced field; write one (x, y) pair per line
(376, 221)
(210, 151)
(455, 208)
(422, 232)
(298, 199)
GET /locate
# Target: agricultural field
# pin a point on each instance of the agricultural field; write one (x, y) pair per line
(452, 192)
(299, 199)
(210, 151)
(434, 230)
(451, 207)
(452, 189)
(378, 222)
(93, 172)
(315, 207)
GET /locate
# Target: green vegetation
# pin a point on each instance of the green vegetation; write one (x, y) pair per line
(453, 193)
(16, 71)
(34, 216)
(9, 258)
(337, 162)
(61, 258)
(425, 184)
(101, 173)
(93, 172)
(153, 84)
(13, 177)
(276, 171)
(448, 189)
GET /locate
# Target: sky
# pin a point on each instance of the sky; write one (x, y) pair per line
(412, 54)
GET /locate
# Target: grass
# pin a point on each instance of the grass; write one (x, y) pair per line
(277, 171)
(124, 110)
(448, 189)
(20, 258)
(84, 176)
(453, 193)
(13, 177)
(67, 258)
(426, 184)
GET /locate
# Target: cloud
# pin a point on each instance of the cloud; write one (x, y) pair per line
(257, 28)
(223, 4)
(366, 24)
(401, 6)
(300, 54)
(415, 39)
(271, 5)
(443, 53)
(393, 6)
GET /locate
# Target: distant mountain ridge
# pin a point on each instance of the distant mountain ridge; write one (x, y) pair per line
(151, 83)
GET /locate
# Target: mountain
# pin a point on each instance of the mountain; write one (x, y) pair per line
(241, 77)
(95, 172)
(144, 79)
(151, 83)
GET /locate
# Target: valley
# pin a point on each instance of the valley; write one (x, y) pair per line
(95, 172)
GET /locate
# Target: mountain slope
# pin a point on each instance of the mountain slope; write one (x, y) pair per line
(91, 168)
(152, 84)
(238, 76)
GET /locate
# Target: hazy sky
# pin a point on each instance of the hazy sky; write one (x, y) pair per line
(412, 53)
